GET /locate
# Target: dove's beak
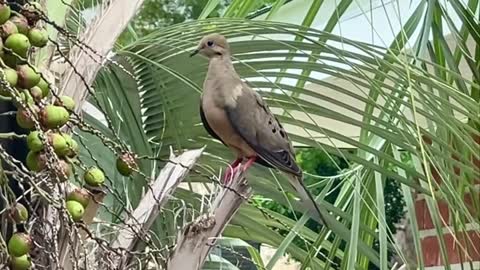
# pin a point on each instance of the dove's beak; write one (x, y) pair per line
(194, 52)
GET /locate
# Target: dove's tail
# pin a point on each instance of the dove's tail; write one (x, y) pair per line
(307, 198)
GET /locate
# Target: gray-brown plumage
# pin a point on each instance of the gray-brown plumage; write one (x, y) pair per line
(235, 114)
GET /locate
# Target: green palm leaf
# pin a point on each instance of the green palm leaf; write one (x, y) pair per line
(316, 83)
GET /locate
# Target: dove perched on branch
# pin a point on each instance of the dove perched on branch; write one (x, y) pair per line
(235, 114)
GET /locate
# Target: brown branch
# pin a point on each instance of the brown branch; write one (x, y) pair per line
(197, 238)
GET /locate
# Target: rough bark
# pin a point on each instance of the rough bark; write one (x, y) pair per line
(196, 240)
(404, 240)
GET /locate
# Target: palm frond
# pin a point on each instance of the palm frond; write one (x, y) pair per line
(391, 98)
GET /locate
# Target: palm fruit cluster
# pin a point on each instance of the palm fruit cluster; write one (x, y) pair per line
(20, 32)
(20, 35)
(20, 243)
(78, 199)
(64, 146)
(19, 246)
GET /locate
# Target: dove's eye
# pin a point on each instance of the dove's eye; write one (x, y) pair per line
(210, 43)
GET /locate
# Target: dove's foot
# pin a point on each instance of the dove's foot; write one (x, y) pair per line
(249, 163)
(231, 170)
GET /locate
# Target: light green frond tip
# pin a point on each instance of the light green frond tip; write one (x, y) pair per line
(209, 27)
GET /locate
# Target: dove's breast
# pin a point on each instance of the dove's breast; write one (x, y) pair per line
(219, 122)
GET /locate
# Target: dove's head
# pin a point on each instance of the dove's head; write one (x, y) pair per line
(213, 45)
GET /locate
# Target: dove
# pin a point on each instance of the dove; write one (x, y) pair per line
(232, 112)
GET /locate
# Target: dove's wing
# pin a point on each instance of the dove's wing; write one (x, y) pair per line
(250, 116)
(255, 123)
(214, 135)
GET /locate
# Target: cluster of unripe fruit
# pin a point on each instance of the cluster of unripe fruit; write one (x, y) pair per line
(19, 32)
(65, 148)
(63, 145)
(20, 243)
(78, 199)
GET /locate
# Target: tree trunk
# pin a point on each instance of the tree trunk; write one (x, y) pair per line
(196, 240)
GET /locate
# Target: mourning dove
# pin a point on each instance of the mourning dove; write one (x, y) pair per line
(236, 115)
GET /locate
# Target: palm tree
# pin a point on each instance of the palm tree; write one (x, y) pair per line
(417, 96)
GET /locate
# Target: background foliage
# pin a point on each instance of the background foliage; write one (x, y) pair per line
(386, 74)
(415, 102)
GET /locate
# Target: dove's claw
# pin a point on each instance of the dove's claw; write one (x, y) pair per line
(230, 171)
(249, 163)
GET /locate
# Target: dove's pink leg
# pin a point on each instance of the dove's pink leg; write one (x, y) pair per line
(231, 169)
(249, 163)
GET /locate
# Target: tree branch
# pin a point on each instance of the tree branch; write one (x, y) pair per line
(197, 238)
(12, 135)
